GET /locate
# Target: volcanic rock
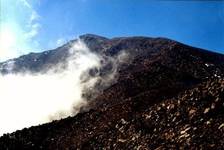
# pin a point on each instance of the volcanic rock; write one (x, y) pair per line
(168, 96)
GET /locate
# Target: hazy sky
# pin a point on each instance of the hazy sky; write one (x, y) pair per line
(37, 25)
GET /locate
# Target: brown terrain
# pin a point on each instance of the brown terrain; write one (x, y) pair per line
(167, 95)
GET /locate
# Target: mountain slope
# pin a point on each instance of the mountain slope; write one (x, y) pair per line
(168, 95)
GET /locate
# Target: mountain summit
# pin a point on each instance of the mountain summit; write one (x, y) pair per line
(165, 95)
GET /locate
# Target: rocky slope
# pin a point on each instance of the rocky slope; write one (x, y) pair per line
(167, 96)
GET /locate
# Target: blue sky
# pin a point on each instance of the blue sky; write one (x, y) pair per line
(37, 25)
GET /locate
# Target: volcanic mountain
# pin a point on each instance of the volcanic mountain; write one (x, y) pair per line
(166, 95)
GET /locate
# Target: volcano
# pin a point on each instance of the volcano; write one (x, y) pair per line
(166, 95)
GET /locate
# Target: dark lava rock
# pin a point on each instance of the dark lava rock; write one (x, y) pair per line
(169, 96)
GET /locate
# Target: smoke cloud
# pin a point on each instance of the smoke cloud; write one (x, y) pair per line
(28, 99)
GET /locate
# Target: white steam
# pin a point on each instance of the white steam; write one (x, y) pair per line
(31, 99)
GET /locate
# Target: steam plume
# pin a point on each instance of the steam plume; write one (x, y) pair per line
(30, 99)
